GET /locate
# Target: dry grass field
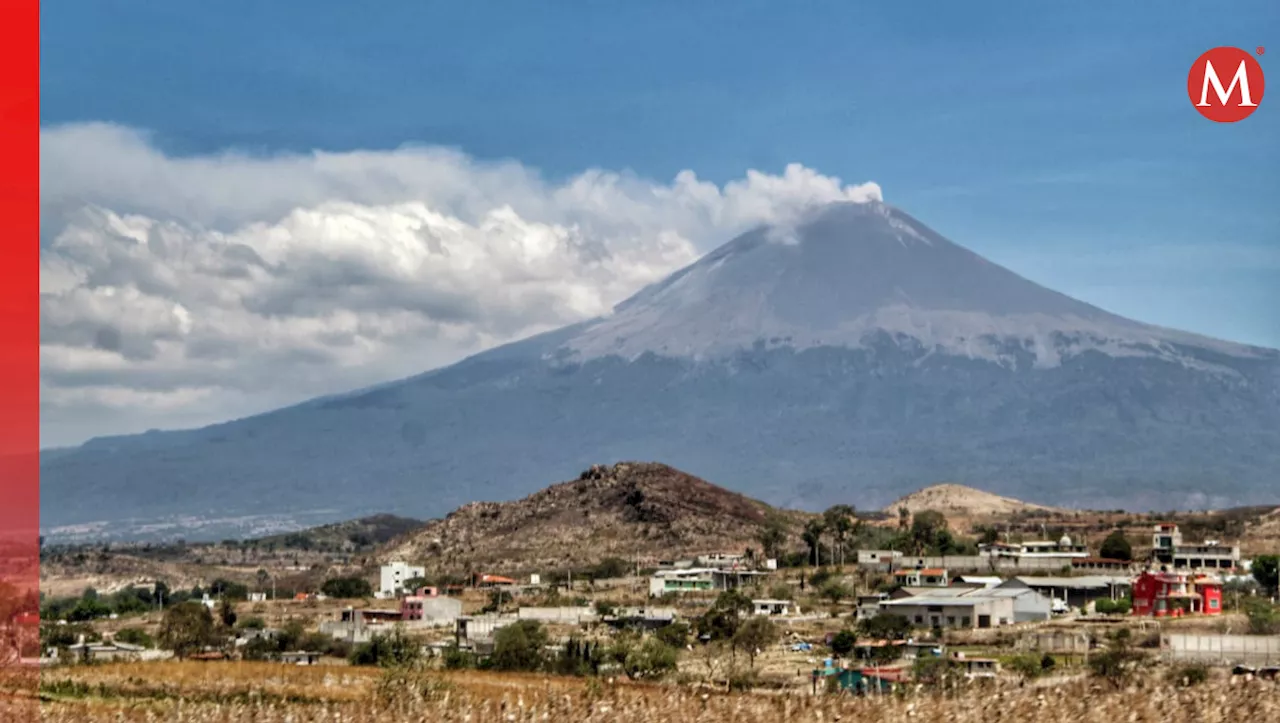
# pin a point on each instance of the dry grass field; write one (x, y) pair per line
(199, 693)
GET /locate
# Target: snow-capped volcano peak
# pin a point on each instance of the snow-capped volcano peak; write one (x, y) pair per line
(848, 271)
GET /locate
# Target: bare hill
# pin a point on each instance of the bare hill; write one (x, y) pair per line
(961, 501)
(635, 511)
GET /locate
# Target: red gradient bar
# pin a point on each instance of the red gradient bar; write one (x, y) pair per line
(19, 356)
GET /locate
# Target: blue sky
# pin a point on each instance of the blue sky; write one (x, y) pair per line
(1054, 138)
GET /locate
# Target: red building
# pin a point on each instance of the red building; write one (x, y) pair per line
(1172, 594)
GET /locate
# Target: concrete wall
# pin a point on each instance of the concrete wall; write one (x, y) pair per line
(1222, 649)
(1056, 643)
(441, 608)
(561, 616)
(956, 564)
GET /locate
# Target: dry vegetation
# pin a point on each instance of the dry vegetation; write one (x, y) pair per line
(266, 692)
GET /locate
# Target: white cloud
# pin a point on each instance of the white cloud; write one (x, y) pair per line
(182, 291)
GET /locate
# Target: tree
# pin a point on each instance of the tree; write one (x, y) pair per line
(773, 537)
(676, 635)
(812, 537)
(927, 529)
(839, 520)
(651, 659)
(263, 578)
(904, 518)
(227, 613)
(722, 619)
(835, 591)
(1266, 570)
(519, 646)
(843, 642)
(390, 650)
(754, 635)
(1116, 547)
(187, 628)
(347, 587)
(885, 626)
(1118, 664)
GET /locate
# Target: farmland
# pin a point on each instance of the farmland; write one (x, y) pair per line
(244, 691)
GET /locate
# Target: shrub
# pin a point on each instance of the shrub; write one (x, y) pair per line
(652, 659)
(676, 634)
(394, 649)
(843, 642)
(519, 646)
(135, 636)
(1188, 674)
(347, 587)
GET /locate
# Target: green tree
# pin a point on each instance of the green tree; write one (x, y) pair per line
(227, 613)
(135, 636)
(754, 636)
(835, 591)
(388, 650)
(676, 635)
(188, 628)
(347, 587)
(812, 537)
(885, 626)
(519, 646)
(1266, 570)
(1119, 662)
(651, 659)
(1116, 547)
(722, 619)
(842, 643)
(927, 531)
(773, 537)
(839, 520)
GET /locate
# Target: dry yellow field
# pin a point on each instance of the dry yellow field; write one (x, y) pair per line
(200, 693)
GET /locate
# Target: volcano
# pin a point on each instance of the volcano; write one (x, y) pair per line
(851, 355)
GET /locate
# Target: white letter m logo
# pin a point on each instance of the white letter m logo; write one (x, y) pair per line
(1211, 76)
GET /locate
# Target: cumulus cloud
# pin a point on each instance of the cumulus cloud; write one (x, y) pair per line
(178, 291)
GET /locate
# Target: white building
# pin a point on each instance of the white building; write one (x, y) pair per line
(774, 607)
(1064, 549)
(395, 575)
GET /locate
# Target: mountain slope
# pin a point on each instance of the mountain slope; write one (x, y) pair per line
(849, 357)
(631, 510)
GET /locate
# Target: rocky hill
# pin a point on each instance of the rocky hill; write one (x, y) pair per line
(637, 511)
(953, 498)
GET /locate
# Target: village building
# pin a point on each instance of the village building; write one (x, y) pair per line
(879, 560)
(300, 657)
(485, 580)
(1172, 594)
(1100, 564)
(1064, 550)
(964, 611)
(1029, 606)
(981, 581)
(641, 618)
(868, 606)
(1168, 548)
(395, 576)
(429, 606)
(1073, 592)
(773, 607)
(699, 579)
(929, 576)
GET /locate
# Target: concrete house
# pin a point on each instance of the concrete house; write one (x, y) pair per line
(1168, 548)
(773, 607)
(965, 611)
(928, 576)
(1076, 592)
(1028, 605)
(395, 575)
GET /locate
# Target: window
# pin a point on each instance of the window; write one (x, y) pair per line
(1213, 604)
(951, 620)
(964, 621)
(919, 619)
